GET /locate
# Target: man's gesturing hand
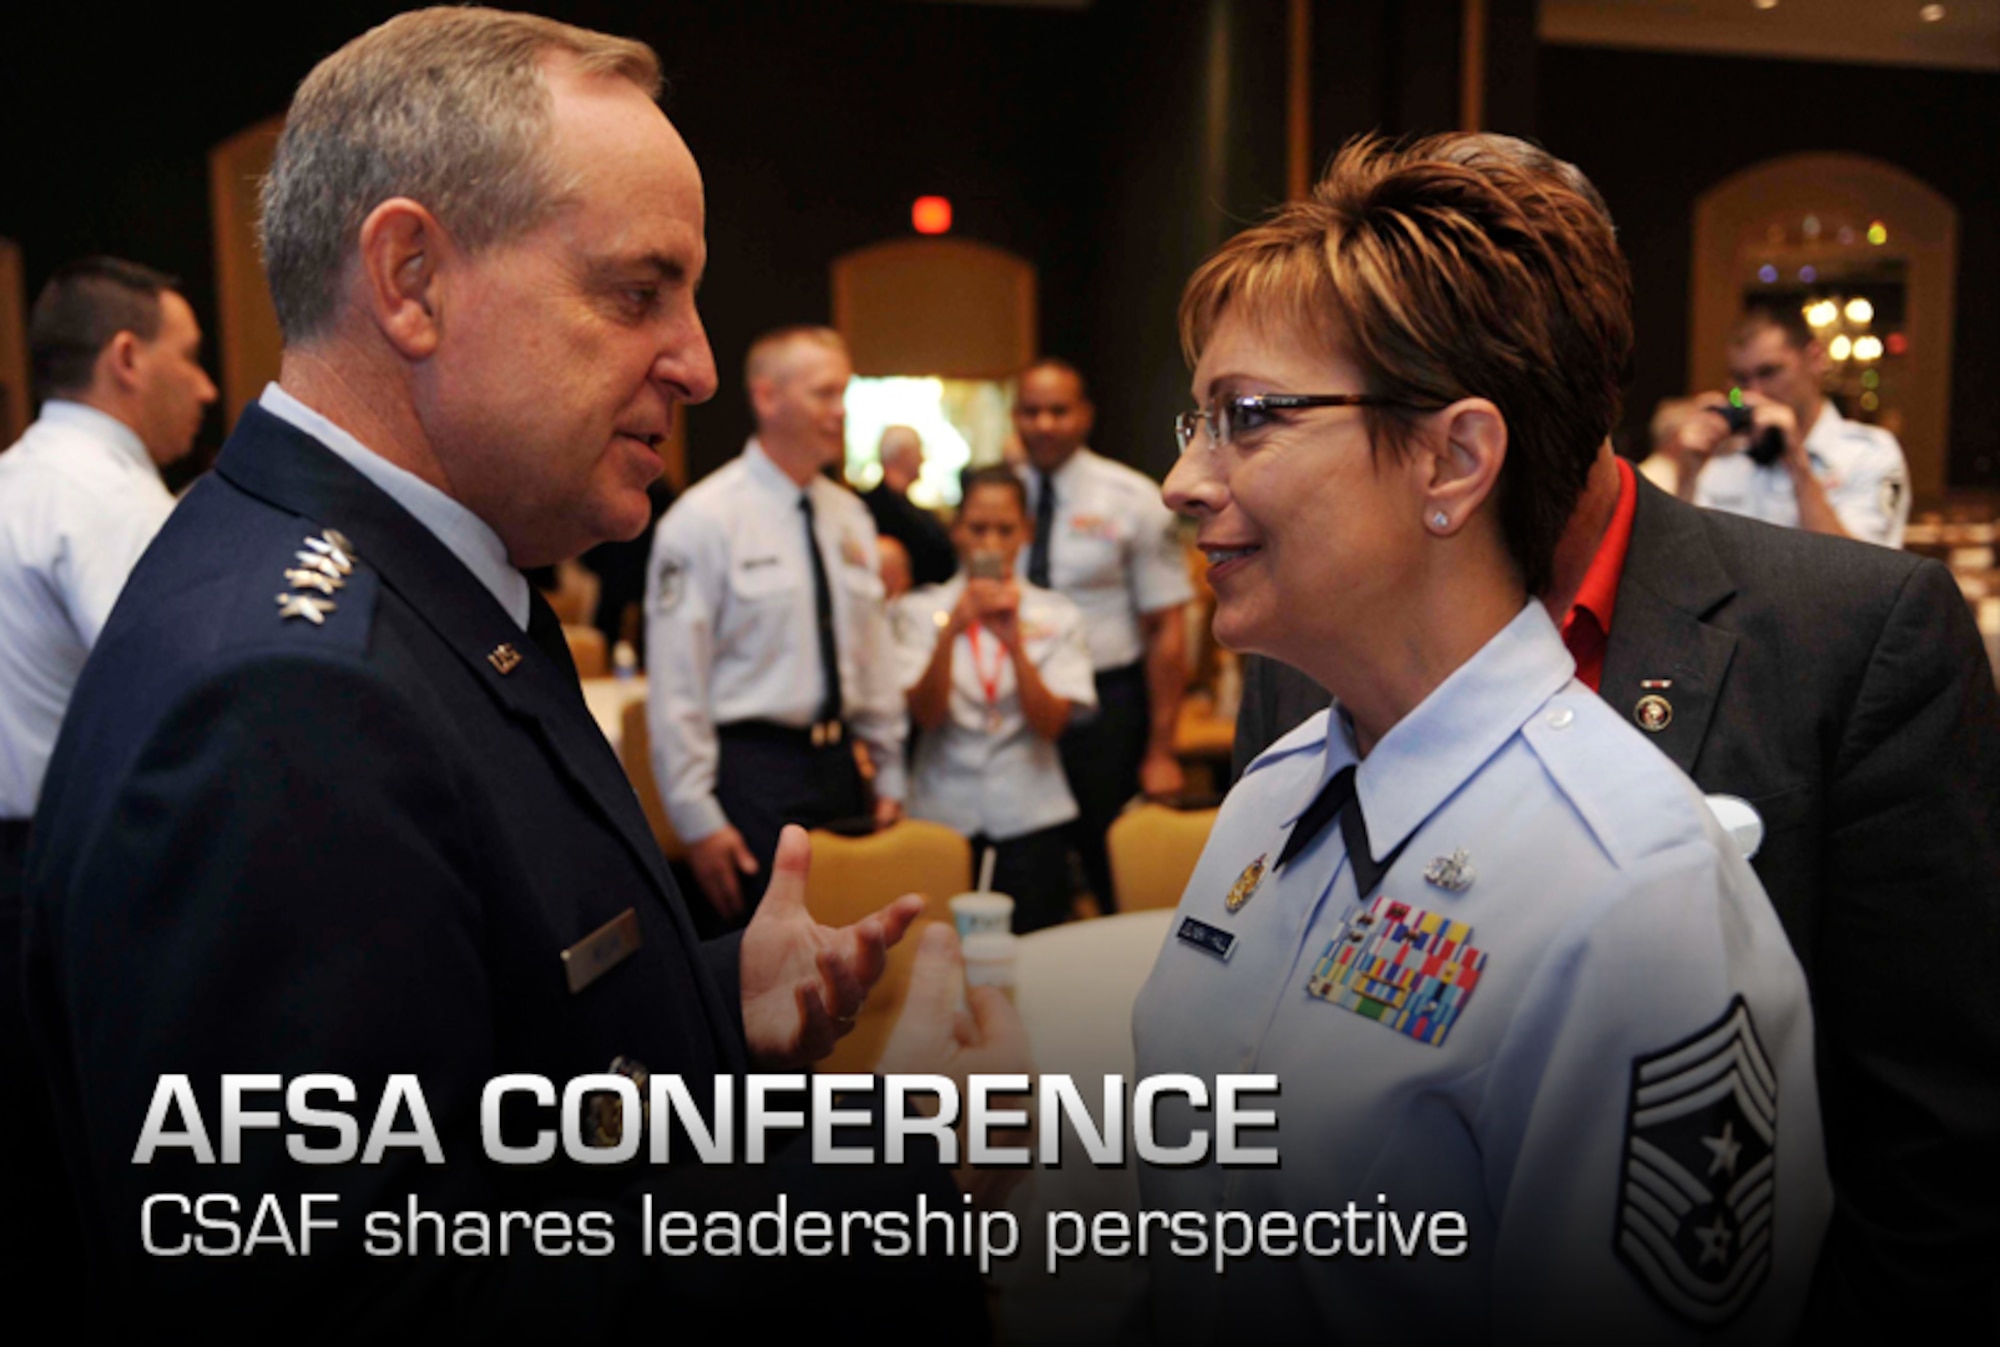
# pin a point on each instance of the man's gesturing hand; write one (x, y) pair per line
(803, 983)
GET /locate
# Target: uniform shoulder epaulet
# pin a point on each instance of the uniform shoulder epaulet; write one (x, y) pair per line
(1634, 803)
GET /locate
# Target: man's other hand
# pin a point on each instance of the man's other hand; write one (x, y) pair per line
(717, 860)
(803, 983)
(1161, 776)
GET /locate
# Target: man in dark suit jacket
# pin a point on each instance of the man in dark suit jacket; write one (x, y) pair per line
(1842, 690)
(370, 828)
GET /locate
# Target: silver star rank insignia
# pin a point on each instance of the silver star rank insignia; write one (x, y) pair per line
(324, 565)
(333, 545)
(311, 580)
(305, 606)
(1246, 885)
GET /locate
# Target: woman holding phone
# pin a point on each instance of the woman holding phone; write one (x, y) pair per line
(994, 669)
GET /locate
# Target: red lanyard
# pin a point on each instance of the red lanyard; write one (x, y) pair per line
(989, 684)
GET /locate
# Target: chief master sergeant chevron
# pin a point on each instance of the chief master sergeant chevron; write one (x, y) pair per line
(329, 799)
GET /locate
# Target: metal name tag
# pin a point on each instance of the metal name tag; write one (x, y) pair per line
(1211, 939)
(602, 950)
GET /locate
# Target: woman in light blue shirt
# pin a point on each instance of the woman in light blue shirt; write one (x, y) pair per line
(1502, 960)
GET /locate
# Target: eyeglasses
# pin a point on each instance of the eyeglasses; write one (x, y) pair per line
(1252, 412)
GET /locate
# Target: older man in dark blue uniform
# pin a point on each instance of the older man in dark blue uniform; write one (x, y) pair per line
(329, 799)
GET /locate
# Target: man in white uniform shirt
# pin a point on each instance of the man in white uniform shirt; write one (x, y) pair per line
(1104, 541)
(1832, 475)
(766, 652)
(116, 355)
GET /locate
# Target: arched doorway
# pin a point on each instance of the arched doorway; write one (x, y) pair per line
(1871, 253)
(937, 329)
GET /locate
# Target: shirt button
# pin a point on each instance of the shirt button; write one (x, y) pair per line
(1560, 719)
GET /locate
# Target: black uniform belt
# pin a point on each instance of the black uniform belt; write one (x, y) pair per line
(823, 734)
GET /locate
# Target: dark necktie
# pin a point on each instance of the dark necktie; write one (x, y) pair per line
(545, 630)
(1045, 529)
(829, 655)
(1334, 798)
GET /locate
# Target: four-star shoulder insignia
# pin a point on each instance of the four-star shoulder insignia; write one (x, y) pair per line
(323, 567)
(1700, 1169)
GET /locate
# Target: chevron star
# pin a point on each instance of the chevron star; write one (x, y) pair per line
(1714, 1242)
(1725, 1149)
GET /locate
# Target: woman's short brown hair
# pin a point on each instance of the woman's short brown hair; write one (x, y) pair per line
(1456, 266)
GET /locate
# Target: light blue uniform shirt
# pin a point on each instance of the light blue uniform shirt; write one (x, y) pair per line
(1617, 1091)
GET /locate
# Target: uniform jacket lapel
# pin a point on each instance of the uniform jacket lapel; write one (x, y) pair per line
(1673, 583)
(279, 463)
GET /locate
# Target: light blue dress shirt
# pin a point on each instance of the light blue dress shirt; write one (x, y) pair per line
(1601, 1056)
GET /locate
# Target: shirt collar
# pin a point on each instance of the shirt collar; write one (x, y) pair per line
(100, 426)
(1071, 467)
(1598, 595)
(465, 534)
(770, 476)
(1439, 746)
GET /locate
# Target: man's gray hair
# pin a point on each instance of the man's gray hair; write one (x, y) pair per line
(445, 106)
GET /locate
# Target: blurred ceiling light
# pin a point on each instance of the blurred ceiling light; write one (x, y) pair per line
(1765, 4)
(1878, 233)
(1931, 13)
(1860, 312)
(1823, 313)
(1840, 348)
(1897, 344)
(1868, 348)
(1767, 274)
(1870, 401)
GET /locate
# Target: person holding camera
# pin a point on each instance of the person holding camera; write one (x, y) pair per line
(995, 669)
(1777, 449)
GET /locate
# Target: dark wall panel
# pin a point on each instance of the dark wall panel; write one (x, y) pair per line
(1656, 131)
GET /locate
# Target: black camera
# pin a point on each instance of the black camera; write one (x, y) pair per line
(1767, 448)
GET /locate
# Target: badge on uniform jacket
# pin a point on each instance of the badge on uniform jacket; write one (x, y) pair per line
(1412, 970)
(1701, 1133)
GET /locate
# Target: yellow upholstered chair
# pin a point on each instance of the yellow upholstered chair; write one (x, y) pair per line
(854, 876)
(635, 751)
(1153, 852)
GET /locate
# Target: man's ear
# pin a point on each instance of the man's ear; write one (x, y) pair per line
(761, 388)
(1462, 466)
(403, 249)
(117, 366)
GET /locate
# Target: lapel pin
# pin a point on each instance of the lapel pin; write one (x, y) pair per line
(1654, 713)
(1656, 684)
(1453, 873)
(305, 606)
(1246, 885)
(504, 658)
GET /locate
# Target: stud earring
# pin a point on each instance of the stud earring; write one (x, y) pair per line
(1440, 520)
